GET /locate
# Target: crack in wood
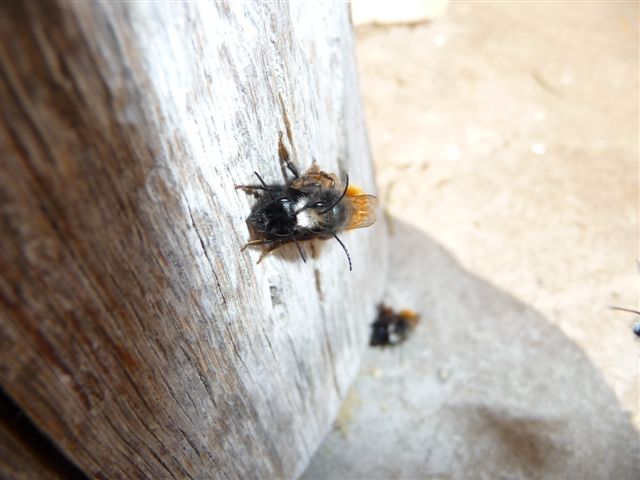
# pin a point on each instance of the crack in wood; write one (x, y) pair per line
(132, 448)
(206, 254)
(331, 358)
(318, 284)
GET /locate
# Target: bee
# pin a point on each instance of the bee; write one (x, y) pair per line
(314, 205)
(391, 328)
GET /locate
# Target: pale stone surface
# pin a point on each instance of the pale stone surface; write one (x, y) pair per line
(506, 142)
(487, 387)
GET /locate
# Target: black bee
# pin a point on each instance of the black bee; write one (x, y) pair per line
(306, 207)
(391, 328)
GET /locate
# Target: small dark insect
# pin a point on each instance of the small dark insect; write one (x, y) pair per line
(391, 328)
(636, 326)
(306, 207)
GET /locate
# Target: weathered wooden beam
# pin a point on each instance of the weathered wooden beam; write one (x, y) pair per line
(133, 331)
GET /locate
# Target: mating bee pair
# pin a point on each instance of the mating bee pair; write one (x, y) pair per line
(391, 327)
(306, 207)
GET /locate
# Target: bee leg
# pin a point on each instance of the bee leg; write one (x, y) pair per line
(283, 153)
(249, 188)
(271, 246)
(329, 177)
(268, 250)
(255, 242)
(252, 188)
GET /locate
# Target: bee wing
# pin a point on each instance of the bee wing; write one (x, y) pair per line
(364, 211)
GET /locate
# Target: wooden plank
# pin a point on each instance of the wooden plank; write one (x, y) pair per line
(134, 332)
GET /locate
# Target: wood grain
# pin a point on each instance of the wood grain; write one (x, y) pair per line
(134, 333)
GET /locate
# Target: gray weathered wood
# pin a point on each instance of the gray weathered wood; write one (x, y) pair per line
(133, 331)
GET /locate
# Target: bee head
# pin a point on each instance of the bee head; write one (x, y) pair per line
(274, 216)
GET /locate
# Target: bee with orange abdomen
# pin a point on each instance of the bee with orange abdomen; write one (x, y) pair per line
(390, 327)
(314, 205)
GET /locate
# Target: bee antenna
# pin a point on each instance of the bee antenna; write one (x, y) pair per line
(625, 310)
(299, 249)
(338, 201)
(344, 248)
(264, 185)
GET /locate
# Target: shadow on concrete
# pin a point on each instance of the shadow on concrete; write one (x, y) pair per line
(486, 388)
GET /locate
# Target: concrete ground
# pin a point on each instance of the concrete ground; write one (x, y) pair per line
(505, 136)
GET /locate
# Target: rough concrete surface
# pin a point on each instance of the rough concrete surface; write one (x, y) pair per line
(506, 143)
